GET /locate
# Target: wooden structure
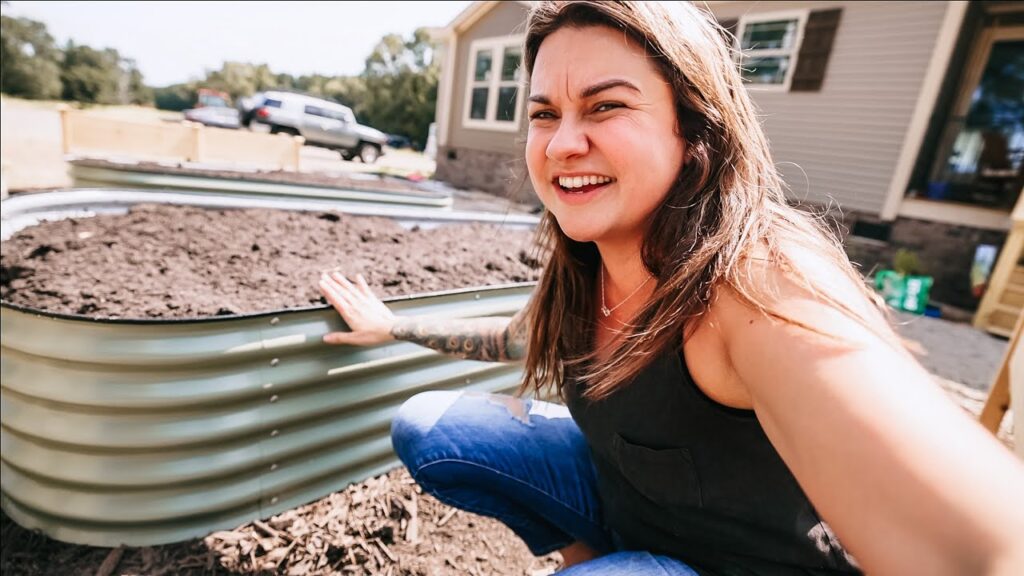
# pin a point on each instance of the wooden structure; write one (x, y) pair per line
(1008, 390)
(83, 132)
(1004, 297)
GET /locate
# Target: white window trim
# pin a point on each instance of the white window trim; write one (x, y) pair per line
(497, 44)
(793, 53)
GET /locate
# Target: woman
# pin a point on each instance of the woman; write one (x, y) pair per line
(739, 403)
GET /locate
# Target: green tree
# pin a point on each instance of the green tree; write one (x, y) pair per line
(30, 59)
(400, 90)
(349, 90)
(92, 76)
(240, 79)
(138, 92)
(175, 97)
(131, 87)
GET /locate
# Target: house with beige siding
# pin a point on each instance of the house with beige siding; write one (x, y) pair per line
(906, 119)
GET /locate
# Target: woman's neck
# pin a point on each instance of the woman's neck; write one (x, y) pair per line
(624, 271)
(623, 288)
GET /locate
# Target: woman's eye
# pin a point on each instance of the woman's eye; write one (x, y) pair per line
(606, 106)
(542, 115)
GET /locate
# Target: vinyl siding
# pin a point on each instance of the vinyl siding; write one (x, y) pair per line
(506, 19)
(841, 144)
(838, 145)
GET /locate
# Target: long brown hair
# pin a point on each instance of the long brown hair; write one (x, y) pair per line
(727, 199)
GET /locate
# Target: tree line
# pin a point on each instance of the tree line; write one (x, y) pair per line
(395, 93)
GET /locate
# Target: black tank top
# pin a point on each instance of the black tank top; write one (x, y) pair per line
(682, 475)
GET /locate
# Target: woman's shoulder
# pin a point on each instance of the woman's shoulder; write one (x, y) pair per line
(815, 287)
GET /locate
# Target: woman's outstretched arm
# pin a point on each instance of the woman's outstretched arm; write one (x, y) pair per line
(495, 339)
(909, 482)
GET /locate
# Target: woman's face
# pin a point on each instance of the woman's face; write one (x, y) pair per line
(603, 147)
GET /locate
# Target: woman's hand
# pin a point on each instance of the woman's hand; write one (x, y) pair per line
(369, 320)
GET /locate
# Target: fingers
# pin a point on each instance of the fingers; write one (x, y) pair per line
(363, 286)
(339, 338)
(368, 319)
(359, 291)
(340, 285)
(344, 282)
(337, 298)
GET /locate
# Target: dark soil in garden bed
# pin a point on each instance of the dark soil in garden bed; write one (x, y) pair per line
(384, 526)
(161, 261)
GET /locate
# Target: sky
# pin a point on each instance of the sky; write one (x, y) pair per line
(175, 42)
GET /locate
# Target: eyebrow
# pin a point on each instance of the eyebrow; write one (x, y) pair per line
(592, 90)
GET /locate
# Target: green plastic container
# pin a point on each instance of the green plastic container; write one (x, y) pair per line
(904, 292)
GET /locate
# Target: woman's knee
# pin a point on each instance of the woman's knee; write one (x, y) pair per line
(415, 419)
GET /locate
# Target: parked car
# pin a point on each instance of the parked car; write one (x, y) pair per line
(217, 116)
(321, 122)
(399, 141)
(210, 97)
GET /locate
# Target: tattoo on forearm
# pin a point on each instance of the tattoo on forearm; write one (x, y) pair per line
(488, 339)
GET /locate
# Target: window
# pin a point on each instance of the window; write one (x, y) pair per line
(493, 94)
(314, 111)
(326, 113)
(769, 44)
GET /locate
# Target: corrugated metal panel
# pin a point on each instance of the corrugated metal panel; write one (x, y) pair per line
(148, 432)
(29, 209)
(843, 142)
(94, 176)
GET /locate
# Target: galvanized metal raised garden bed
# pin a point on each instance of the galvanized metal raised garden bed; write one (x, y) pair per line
(107, 174)
(147, 432)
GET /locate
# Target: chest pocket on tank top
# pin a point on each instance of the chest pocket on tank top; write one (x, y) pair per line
(666, 476)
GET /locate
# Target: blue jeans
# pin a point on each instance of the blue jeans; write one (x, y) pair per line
(523, 462)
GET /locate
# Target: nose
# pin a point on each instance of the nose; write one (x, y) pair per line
(569, 140)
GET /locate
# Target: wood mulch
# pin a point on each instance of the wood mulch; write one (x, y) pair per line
(385, 525)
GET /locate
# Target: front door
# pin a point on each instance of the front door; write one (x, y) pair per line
(981, 161)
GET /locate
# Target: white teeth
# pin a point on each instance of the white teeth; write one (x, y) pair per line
(580, 181)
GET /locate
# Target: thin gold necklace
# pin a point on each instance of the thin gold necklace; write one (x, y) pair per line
(608, 311)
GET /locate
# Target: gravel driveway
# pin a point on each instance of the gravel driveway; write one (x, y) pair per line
(952, 350)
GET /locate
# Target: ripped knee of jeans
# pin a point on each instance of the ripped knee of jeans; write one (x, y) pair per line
(516, 407)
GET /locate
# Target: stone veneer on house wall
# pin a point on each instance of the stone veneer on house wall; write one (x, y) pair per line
(945, 252)
(475, 169)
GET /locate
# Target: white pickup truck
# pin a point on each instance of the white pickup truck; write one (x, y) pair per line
(321, 122)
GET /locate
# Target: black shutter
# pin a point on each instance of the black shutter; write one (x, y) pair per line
(812, 60)
(730, 25)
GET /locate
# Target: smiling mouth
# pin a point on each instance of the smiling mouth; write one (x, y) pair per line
(581, 184)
